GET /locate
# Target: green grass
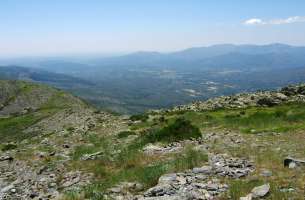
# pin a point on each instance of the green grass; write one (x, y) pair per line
(146, 174)
(11, 128)
(240, 188)
(281, 118)
(97, 144)
(132, 165)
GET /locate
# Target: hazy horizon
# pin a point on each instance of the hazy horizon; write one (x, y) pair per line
(117, 54)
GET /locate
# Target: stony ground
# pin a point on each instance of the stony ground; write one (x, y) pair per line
(39, 167)
(100, 156)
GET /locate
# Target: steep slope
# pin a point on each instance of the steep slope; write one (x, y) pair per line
(39, 127)
(28, 109)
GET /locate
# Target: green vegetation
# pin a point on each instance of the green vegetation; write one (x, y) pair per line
(125, 134)
(140, 168)
(131, 164)
(281, 118)
(240, 188)
(50, 102)
(7, 147)
(139, 117)
(98, 144)
(12, 127)
(180, 129)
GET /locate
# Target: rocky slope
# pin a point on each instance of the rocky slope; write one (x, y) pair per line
(57, 147)
(39, 128)
(261, 98)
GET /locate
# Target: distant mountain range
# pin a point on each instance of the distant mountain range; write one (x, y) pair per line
(218, 56)
(151, 80)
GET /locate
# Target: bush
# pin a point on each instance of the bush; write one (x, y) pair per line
(125, 134)
(140, 117)
(9, 146)
(70, 129)
(181, 129)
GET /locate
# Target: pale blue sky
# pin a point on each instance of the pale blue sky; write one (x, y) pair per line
(55, 27)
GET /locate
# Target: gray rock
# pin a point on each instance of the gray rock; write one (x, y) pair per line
(6, 158)
(159, 190)
(203, 170)
(292, 165)
(260, 191)
(248, 197)
(92, 156)
(167, 178)
(292, 162)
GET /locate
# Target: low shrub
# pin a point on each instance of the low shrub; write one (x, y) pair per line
(180, 129)
(139, 117)
(7, 147)
(125, 134)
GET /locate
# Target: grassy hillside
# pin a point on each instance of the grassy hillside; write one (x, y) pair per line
(265, 135)
(24, 104)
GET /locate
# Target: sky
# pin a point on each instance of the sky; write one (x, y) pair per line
(63, 27)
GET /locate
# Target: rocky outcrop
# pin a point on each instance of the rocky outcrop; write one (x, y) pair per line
(224, 165)
(200, 183)
(262, 98)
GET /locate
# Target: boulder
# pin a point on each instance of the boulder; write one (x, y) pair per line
(203, 170)
(260, 191)
(292, 162)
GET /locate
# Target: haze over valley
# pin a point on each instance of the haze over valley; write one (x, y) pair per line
(140, 81)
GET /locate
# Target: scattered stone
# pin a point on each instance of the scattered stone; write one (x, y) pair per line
(268, 101)
(13, 190)
(71, 179)
(153, 149)
(260, 191)
(261, 98)
(6, 158)
(33, 195)
(92, 156)
(287, 190)
(224, 165)
(167, 178)
(67, 146)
